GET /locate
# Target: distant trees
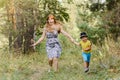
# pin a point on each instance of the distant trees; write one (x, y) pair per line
(100, 19)
(20, 16)
(26, 16)
(111, 19)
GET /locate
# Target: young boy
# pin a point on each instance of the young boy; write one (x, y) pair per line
(86, 50)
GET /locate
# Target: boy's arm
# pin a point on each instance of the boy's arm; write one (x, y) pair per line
(88, 48)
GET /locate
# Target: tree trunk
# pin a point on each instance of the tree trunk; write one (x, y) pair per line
(28, 36)
(11, 20)
(19, 38)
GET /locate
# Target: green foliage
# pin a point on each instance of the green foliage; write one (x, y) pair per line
(96, 35)
(97, 7)
(3, 3)
(95, 32)
(51, 7)
(105, 59)
(70, 1)
(112, 22)
(98, 13)
(26, 16)
(109, 5)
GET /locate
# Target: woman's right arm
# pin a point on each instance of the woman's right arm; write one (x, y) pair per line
(41, 38)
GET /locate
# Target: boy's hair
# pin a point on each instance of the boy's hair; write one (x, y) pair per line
(83, 34)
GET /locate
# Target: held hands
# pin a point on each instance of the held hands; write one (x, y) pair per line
(77, 44)
(73, 41)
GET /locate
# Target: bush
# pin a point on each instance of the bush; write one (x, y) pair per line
(95, 34)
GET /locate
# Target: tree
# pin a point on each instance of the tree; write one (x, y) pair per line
(90, 23)
(100, 18)
(110, 17)
(25, 16)
(112, 22)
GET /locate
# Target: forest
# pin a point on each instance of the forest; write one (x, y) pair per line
(22, 23)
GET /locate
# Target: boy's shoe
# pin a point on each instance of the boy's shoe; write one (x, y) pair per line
(86, 70)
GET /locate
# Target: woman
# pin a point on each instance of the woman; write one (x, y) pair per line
(53, 48)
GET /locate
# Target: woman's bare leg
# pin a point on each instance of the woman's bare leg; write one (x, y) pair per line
(55, 64)
(50, 61)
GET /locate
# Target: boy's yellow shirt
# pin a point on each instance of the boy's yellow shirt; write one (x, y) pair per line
(85, 45)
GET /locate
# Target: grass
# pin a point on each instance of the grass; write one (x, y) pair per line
(104, 64)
